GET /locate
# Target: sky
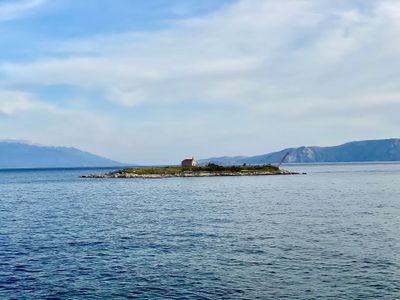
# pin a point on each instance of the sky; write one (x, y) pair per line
(153, 82)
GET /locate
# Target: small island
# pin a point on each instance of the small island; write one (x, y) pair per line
(209, 170)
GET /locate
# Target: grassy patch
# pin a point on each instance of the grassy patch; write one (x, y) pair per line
(211, 168)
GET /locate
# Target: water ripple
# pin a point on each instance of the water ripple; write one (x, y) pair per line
(330, 234)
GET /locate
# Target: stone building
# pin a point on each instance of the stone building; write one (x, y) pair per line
(190, 162)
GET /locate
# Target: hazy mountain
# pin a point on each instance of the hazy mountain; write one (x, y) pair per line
(361, 151)
(20, 154)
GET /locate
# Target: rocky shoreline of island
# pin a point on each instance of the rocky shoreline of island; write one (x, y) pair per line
(206, 171)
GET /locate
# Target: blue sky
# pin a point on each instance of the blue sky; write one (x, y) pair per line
(155, 81)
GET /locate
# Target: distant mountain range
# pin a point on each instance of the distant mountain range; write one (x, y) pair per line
(360, 151)
(20, 154)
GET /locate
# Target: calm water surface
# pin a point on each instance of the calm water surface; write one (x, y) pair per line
(331, 234)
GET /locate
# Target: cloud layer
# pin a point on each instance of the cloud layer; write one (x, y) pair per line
(331, 68)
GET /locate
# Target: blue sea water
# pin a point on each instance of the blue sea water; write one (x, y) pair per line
(331, 234)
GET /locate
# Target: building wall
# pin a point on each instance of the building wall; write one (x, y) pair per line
(188, 163)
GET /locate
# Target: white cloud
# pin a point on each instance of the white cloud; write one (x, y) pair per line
(13, 102)
(14, 9)
(254, 51)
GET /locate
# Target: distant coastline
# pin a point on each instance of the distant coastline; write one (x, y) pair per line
(23, 155)
(385, 150)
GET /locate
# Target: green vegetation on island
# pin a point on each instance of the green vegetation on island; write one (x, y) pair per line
(210, 168)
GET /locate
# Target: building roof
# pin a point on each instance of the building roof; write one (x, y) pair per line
(188, 160)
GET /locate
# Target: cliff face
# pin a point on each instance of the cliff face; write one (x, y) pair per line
(23, 155)
(362, 151)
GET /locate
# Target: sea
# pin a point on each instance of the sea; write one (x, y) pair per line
(333, 233)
